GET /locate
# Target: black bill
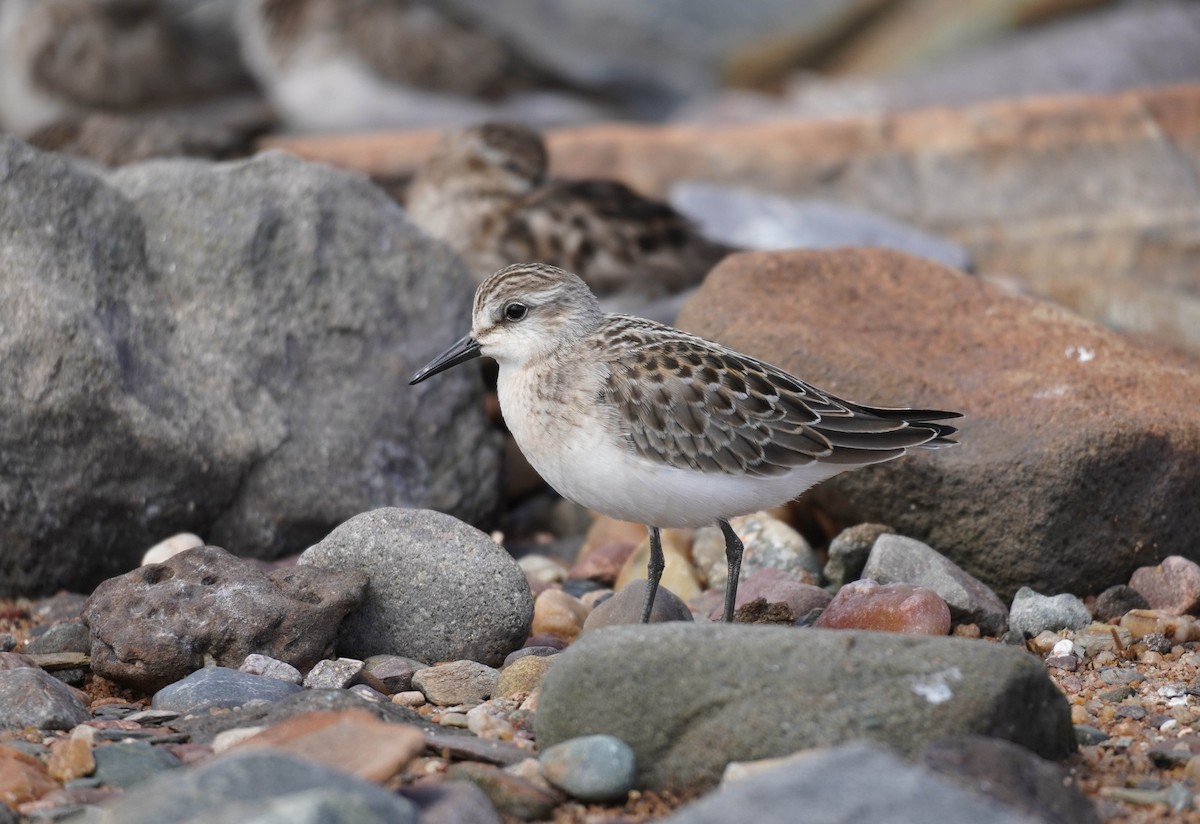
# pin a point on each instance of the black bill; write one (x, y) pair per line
(465, 349)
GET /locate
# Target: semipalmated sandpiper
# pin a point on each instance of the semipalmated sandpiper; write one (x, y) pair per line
(484, 191)
(646, 423)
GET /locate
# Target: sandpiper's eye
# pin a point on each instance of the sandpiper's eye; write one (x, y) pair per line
(515, 311)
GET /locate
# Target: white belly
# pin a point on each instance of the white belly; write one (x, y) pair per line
(580, 457)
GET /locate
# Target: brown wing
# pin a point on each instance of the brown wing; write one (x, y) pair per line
(693, 405)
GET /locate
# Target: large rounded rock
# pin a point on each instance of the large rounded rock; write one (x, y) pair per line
(31, 697)
(690, 698)
(160, 622)
(1079, 455)
(440, 589)
(187, 346)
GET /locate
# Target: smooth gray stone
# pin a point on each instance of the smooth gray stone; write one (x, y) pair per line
(625, 607)
(203, 346)
(595, 768)
(440, 590)
(761, 691)
(69, 636)
(759, 220)
(850, 784)
(131, 762)
(219, 687)
(849, 551)
(452, 802)
(899, 559)
(257, 783)
(1033, 612)
(31, 697)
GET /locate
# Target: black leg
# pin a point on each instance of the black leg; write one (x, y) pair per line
(733, 554)
(654, 571)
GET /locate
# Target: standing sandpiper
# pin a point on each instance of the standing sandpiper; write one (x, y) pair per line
(646, 423)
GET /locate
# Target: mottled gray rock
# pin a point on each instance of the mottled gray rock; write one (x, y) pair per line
(242, 786)
(777, 587)
(768, 543)
(159, 622)
(395, 672)
(849, 784)
(334, 674)
(625, 607)
(897, 559)
(31, 697)
(131, 762)
(849, 551)
(219, 687)
(1033, 612)
(907, 690)
(1011, 775)
(69, 636)
(269, 667)
(458, 682)
(750, 219)
(440, 589)
(596, 768)
(203, 347)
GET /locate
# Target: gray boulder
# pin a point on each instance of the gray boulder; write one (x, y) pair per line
(440, 589)
(690, 698)
(221, 349)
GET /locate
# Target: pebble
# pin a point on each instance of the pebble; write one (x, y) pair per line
(523, 675)
(69, 636)
(1032, 612)
(1089, 736)
(898, 559)
(896, 607)
(268, 667)
(23, 777)
(848, 552)
(525, 652)
(354, 741)
(594, 768)
(559, 614)
(219, 687)
(776, 586)
(409, 698)
(625, 607)
(31, 697)
(1179, 628)
(394, 672)
(579, 587)
(768, 542)
(369, 693)
(1099, 638)
(489, 720)
(541, 569)
(70, 758)
(604, 563)
(1157, 642)
(451, 802)
(167, 549)
(1172, 586)
(130, 762)
(7, 642)
(335, 674)
(511, 795)
(458, 682)
(678, 575)
(1117, 600)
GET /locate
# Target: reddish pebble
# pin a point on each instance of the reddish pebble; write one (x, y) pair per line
(603, 564)
(888, 608)
(776, 586)
(559, 614)
(1173, 586)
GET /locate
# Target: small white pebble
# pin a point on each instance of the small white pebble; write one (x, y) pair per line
(1064, 647)
(1168, 725)
(225, 740)
(171, 547)
(454, 719)
(85, 731)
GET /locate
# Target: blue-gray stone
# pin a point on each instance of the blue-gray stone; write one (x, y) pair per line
(849, 784)
(759, 220)
(263, 787)
(130, 762)
(1032, 612)
(591, 768)
(219, 687)
(31, 697)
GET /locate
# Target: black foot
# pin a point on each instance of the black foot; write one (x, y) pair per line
(733, 554)
(654, 572)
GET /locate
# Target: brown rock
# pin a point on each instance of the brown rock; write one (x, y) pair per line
(512, 796)
(160, 622)
(523, 675)
(559, 614)
(22, 777)
(776, 587)
(1056, 437)
(603, 564)
(1177, 628)
(887, 607)
(70, 758)
(1172, 586)
(15, 660)
(351, 740)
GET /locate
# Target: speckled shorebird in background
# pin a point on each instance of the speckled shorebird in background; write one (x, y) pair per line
(646, 423)
(485, 192)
